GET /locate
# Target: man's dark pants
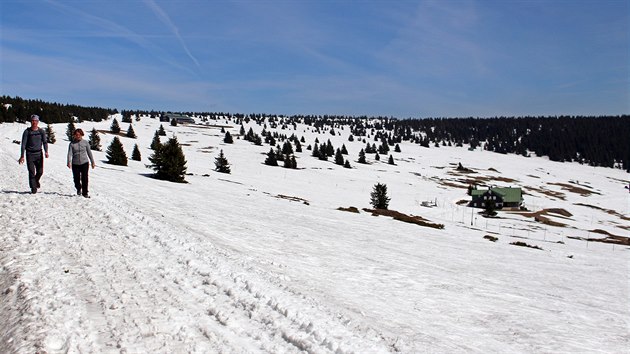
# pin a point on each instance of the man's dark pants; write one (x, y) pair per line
(80, 174)
(35, 165)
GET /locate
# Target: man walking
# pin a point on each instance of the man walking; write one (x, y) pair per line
(33, 140)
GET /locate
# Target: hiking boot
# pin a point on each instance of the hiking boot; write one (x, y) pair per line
(33, 190)
(86, 195)
(78, 192)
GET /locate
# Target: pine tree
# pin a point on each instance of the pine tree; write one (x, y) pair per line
(70, 131)
(344, 150)
(173, 124)
(228, 139)
(377, 157)
(315, 151)
(155, 143)
(135, 155)
(339, 158)
(50, 134)
(115, 127)
(95, 140)
(116, 153)
(221, 164)
(347, 164)
(391, 160)
(378, 197)
(298, 146)
(362, 157)
(287, 148)
(131, 133)
(397, 148)
(169, 162)
(161, 131)
(271, 159)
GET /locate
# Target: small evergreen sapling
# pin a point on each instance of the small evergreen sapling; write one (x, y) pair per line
(95, 140)
(221, 164)
(135, 154)
(161, 131)
(115, 127)
(131, 133)
(116, 153)
(378, 197)
(271, 159)
(155, 143)
(169, 162)
(228, 138)
(50, 134)
(339, 158)
(391, 160)
(362, 157)
(70, 130)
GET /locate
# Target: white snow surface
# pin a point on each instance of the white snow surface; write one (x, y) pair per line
(261, 261)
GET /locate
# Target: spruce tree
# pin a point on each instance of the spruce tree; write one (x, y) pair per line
(344, 150)
(315, 150)
(339, 158)
(131, 133)
(362, 157)
(161, 131)
(347, 164)
(169, 162)
(378, 197)
(95, 140)
(221, 164)
(155, 143)
(135, 154)
(228, 139)
(397, 148)
(50, 134)
(377, 157)
(70, 130)
(173, 123)
(115, 127)
(116, 153)
(391, 160)
(271, 159)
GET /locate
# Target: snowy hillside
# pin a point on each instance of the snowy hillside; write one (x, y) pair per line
(262, 260)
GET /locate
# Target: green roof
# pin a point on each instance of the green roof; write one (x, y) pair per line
(510, 195)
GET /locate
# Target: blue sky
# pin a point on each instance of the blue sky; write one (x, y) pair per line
(393, 58)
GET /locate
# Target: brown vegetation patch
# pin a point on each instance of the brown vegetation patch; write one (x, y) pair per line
(293, 199)
(418, 220)
(574, 189)
(532, 176)
(491, 238)
(523, 244)
(350, 209)
(540, 217)
(614, 239)
(609, 211)
(547, 192)
(462, 202)
(493, 170)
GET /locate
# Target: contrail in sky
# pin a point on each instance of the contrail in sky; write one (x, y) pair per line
(167, 21)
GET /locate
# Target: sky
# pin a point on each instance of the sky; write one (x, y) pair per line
(406, 59)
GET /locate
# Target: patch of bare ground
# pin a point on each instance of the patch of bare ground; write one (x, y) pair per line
(462, 202)
(608, 211)
(491, 238)
(574, 189)
(418, 220)
(349, 209)
(293, 199)
(624, 181)
(121, 133)
(493, 170)
(523, 244)
(532, 176)
(547, 192)
(447, 183)
(610, 238)
(540, 217)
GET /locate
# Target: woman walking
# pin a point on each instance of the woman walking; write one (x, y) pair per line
(78, 154)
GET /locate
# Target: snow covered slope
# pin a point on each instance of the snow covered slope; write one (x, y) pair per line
(262, 260)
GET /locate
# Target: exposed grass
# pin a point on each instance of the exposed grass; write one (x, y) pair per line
(418, 220)
(574, 189)
(349, 209)
(523, 244)
(491, 238)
